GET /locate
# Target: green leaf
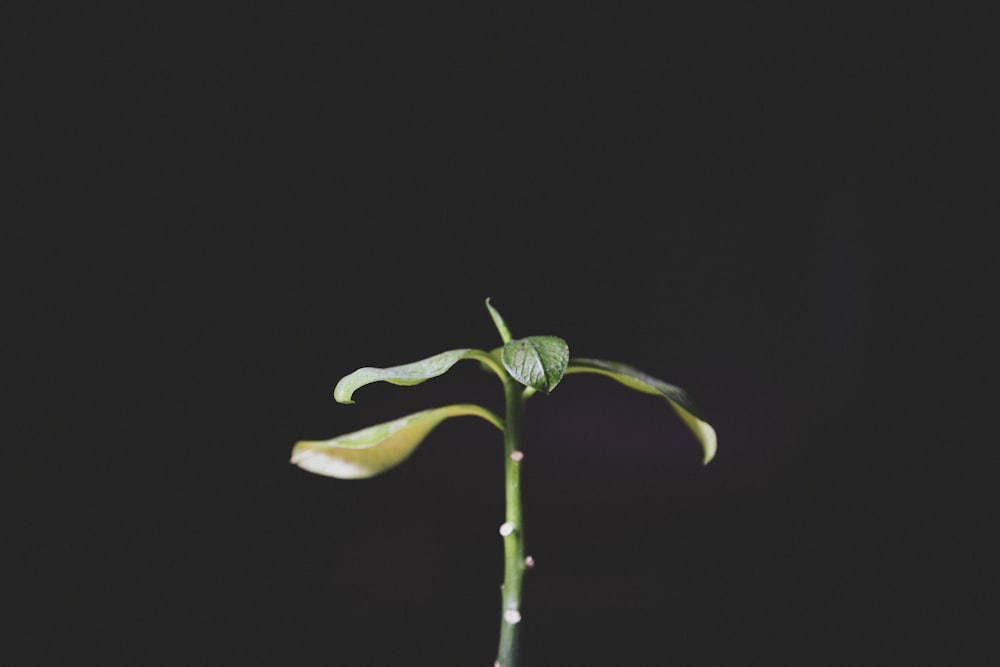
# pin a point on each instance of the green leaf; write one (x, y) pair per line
(498, 322)
(536, 361)
(373, 450)
(407, 374)
(676, 397)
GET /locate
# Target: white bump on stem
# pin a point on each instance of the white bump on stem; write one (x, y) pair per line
(512, 616)
(529, 562)
(506, 528)
(517, 455)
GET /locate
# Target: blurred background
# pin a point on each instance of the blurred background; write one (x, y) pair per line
(248, 205)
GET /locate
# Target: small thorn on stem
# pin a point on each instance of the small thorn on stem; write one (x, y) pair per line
(506, 528)
(517, 455)
(512, 616)
(529, 562)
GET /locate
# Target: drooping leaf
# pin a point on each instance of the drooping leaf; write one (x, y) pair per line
(407, 374)
(536, 361)
(373, 450)
(676, 397)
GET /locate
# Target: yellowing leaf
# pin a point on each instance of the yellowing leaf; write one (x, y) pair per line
(407, 374)
(676, 397)
(373, 450)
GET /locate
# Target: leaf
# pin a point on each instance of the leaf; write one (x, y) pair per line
(405, 375)
(676, 397)
(536, 361)
(498, 322)
(373, 450)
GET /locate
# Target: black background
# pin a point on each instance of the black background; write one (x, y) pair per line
(238, 208)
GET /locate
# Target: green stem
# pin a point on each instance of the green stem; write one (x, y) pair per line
(512, 529)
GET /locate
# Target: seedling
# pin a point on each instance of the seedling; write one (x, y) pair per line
(524, 366)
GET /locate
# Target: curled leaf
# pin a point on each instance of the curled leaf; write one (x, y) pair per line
(676, 397)
(407, 374)
(373, 450)
(538, 362)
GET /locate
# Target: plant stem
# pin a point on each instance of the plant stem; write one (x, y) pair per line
(512, 529)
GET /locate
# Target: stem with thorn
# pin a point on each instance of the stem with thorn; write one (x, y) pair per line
(513, 527)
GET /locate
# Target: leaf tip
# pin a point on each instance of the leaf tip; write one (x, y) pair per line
(299, 452)
(498, 322)
(710, 442)
(342, 394)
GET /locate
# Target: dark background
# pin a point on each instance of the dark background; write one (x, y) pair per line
(241, 207)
